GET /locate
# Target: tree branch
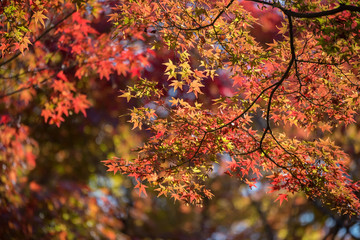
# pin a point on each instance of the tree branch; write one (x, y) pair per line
(201, 26)
(287, 12)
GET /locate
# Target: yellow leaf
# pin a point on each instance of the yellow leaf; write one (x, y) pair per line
(126, 95)
(177, 84)
(39, 17)
(195, 87)
(174, 101)
(170, 66)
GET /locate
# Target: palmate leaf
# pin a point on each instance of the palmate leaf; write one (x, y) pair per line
(281, 198)
(39, 17)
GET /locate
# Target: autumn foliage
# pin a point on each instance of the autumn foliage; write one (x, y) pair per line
(306, 79)
(302, 76)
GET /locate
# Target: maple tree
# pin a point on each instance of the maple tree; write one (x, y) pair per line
(167, 57)
(50, 57)
(307, 78)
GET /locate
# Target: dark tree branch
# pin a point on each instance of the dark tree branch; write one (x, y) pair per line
(24, 73)
(274, 87)
(290, 13)
(201, 26)
(339, 9)
(318, 62)
(28, 87)
(245, 111)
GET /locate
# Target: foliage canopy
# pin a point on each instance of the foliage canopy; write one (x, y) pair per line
(53, 54)
(306, 79)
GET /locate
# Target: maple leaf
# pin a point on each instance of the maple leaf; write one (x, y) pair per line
(127, 95)
(56, 119)
(281, 198)
(195, 87)
(174, 101)
(104, 70)
(59, 86)
(160, 133)
(23, 44)
(142, 188)
(62, 76)
(177, 84)
(275, 118)
(113, 167)
(135, 71)
(172, 74)
(325, 127)
(80, 103)
(162, 191)
(193, 197)
(233, 165)
(80, 72)
(39, 17)
(121, 68)
(250, 183)
(175, 196)
(134, 175)
(199, 74)
(62, 108)
(170, 67)
(47, 113)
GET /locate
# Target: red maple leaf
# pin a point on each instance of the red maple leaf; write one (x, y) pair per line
(62, 76)
(46, 113)
(250, 183)
(282, 197)
(80, 104)
(141, 188)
